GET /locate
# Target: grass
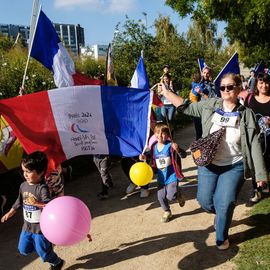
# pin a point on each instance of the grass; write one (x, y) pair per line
(255, 253)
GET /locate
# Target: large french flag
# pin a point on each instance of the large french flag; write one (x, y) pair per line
(80, 120)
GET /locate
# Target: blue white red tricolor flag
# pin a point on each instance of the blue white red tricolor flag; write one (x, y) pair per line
(139, 78)
(81, 120)
(47, 48)
(232, 66)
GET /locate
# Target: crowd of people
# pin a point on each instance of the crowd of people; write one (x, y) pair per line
(243, 153)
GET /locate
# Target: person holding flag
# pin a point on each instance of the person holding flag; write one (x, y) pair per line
(208, 88)
(238, 155)
(138, 80)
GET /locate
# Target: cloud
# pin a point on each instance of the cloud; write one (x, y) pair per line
(104, 6)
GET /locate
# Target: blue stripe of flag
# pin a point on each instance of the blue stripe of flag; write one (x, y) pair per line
(45, 42)
(126, 117)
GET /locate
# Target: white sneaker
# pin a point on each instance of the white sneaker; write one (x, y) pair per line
(144, 193)
(257, 196)
(225, 245)
(130, 188)
(166, 216)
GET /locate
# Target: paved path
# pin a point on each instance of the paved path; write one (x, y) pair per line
(127, 231)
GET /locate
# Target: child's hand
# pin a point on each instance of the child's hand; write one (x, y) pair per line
(8, 215)
(142, 157)
(5, 218)
(175, 147)
(197, 89)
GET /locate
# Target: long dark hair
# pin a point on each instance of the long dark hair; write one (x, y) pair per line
(261, 77)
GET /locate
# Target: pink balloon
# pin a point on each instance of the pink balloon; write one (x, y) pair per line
(152, 140)
(65, 221)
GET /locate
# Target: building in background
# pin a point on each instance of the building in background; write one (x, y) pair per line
(11, 30)
(72, 36)
(95, 51)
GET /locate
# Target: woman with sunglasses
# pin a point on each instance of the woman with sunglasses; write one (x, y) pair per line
(238, 155)
(259, 102)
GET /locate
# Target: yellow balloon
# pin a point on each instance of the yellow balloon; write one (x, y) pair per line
(141, 173)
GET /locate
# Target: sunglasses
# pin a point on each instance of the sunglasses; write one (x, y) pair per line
(229, 87)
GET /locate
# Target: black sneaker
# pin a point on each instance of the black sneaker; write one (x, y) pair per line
(58, 266)
(180, 199)
(103, 195)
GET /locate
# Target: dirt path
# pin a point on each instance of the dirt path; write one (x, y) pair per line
(127, 231)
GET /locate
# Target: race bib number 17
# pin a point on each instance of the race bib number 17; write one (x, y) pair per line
(31, 213)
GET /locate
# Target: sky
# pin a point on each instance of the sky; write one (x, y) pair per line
(97, 17)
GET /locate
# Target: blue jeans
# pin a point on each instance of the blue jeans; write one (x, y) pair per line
(30, 242)
(218, 188)
(159, 117)
(167, 112)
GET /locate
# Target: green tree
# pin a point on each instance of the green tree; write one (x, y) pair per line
(126, 46)
(247, 23)
(12, 65)
(5, 44)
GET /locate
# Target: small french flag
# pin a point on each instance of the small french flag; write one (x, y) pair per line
(139, 78)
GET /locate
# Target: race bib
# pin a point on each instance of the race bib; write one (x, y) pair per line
(227, 119)
(163, 162)
(31, 213)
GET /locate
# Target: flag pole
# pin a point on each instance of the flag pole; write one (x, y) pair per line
(107, 59)
(199, 64)
(34, 20)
